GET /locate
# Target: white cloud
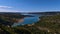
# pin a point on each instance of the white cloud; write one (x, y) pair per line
(6, 10)
(5, 7)
(9, 10)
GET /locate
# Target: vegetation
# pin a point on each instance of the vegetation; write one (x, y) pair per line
(52, 23)
(46, 25)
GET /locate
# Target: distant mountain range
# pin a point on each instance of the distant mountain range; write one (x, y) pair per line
(46, 13)
(41, 13)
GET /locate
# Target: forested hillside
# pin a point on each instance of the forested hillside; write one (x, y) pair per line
(46, 25)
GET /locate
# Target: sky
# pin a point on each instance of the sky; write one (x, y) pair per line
(29, 5)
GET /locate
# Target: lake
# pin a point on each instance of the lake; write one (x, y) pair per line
(28, 20)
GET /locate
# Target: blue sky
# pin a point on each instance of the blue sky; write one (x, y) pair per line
(29, 5)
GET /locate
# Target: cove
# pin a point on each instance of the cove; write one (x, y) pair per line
(28, 20)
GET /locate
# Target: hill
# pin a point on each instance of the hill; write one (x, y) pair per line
(46, 25)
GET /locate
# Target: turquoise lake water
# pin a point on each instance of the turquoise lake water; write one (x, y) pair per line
(28, 20)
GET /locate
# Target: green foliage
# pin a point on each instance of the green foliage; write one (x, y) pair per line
(46, 25)
(50, 22)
